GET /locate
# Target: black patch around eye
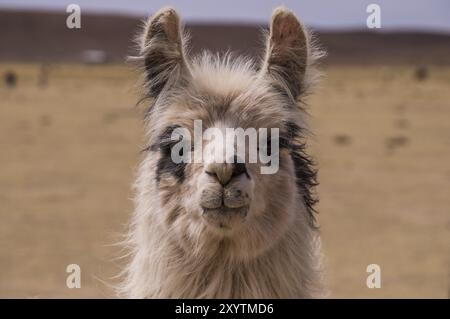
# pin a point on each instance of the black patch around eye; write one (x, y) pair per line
(167, 166)
(165, 163)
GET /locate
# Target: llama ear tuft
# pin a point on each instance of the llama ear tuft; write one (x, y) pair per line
(286, 52)
(162, 51)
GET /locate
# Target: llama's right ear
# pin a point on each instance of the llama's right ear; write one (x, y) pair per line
(162, 51)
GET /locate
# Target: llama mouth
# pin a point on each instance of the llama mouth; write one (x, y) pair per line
(225, 218)
(224, 210)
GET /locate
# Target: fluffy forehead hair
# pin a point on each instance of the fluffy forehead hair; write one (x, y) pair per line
(223, 75)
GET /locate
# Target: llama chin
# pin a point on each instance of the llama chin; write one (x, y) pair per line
(209, 229)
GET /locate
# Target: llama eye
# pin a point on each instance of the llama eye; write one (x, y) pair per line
(266, 147)
(166, 140)
(269, 146)
(167, 144)
(176, 147)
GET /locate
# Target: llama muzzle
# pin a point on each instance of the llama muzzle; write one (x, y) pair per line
(226, 194)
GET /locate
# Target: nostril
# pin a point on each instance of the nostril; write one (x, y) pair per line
(238, 169)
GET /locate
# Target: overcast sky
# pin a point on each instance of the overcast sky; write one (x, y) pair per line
(429, 15)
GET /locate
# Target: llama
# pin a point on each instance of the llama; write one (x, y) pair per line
(212, 230)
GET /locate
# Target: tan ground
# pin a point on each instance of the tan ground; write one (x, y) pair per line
(69, 151)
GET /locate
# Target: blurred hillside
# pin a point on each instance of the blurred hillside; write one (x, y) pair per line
(44, 37)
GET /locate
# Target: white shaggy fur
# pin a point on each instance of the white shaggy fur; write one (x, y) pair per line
(274, 250)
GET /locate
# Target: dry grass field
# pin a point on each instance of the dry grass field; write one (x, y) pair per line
(69, 150)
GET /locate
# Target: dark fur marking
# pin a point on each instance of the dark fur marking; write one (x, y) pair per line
(305, 172)
(165, 164)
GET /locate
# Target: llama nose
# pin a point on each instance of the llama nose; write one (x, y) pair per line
(226, 171)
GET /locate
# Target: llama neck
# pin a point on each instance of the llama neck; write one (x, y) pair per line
(286, 270)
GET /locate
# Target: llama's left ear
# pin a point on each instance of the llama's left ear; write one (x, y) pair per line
(162, 51)
(286, 52)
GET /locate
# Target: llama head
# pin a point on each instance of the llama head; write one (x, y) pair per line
(229, 207)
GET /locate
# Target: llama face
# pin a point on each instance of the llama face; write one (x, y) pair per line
(230, 207)
(225, 196)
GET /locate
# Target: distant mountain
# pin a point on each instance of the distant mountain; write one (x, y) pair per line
(44, 37)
